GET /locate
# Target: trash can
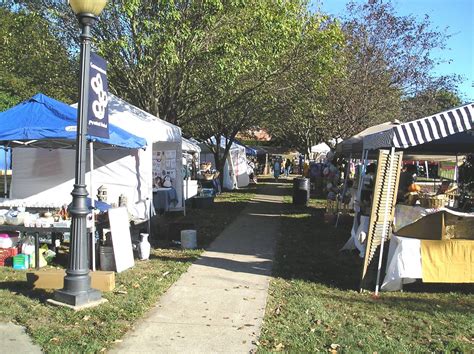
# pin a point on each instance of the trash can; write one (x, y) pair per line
(301, 189)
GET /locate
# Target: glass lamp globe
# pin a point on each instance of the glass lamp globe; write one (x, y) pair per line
(94, 7)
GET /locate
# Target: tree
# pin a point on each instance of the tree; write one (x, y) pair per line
(32, 60)
(208, 66)
(430, 101)
(388, 62)
(299, 94)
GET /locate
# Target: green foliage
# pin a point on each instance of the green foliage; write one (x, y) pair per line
(384, 73)
(430, 101)
(32, 60)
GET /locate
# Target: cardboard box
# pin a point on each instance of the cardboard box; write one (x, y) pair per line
(54, 279)
(102, 280)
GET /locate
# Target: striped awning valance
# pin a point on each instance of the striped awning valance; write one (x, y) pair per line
(424, 130)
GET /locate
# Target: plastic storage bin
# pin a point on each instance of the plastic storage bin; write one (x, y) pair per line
(21, 261)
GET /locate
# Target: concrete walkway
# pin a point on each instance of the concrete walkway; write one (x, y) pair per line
(14, 339)
(219, 303)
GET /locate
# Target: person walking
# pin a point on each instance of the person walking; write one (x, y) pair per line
(287, 167)
(276, 169)
(251, 171)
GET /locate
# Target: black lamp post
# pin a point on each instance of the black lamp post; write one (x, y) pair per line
(77, 289)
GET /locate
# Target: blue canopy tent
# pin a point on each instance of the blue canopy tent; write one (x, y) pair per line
(44, 122)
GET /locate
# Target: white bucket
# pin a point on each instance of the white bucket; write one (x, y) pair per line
(188, 239)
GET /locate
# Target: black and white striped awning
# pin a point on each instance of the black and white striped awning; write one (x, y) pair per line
(424, 130)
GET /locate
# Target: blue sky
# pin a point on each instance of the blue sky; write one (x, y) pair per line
(457, 15)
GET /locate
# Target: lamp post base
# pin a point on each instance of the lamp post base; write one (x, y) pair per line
(77, 298)
(79, 307)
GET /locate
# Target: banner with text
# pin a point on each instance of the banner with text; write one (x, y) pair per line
(98, 117)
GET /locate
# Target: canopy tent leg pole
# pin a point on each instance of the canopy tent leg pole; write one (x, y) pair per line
(346, 177)
(456, 171)
(91, 162)
(267, 170)
(5, 181)
(365, 155)
(183, 197)
(426, 168)
(148, 207)
(386, 226)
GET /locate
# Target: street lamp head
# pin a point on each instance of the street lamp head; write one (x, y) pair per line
(93, 7)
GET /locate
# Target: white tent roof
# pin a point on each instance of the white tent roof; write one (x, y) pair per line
(320, 148)
(355, 143)
(141, 123)
(188, 145)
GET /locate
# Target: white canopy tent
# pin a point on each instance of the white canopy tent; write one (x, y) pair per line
(235, 168)
(354, 145)
(190, 146)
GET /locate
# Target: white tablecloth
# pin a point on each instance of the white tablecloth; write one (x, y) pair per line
(403, 263)
(358, 235)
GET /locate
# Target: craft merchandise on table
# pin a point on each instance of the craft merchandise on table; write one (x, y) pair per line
(443, 260)
(24, 228)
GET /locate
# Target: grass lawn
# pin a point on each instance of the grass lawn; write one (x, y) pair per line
(58, 329)
(314, 304)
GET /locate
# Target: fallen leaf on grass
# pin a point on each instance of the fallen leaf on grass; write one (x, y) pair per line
(334, 346)
(86, 318)
(136, 285)
(166, 273)
(54, 339)
(278, 310)
(279, 346)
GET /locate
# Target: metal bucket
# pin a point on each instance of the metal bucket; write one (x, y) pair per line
(107, 259)
(301, 189)
(188, 239)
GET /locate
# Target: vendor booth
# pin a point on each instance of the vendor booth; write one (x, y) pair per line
(426, 233)
(191, 161)
(42, 133)
(235, 168)
(161, 169)
(319, 152)
(45, 176)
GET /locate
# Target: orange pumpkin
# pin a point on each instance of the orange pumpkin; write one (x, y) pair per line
(414, 188)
